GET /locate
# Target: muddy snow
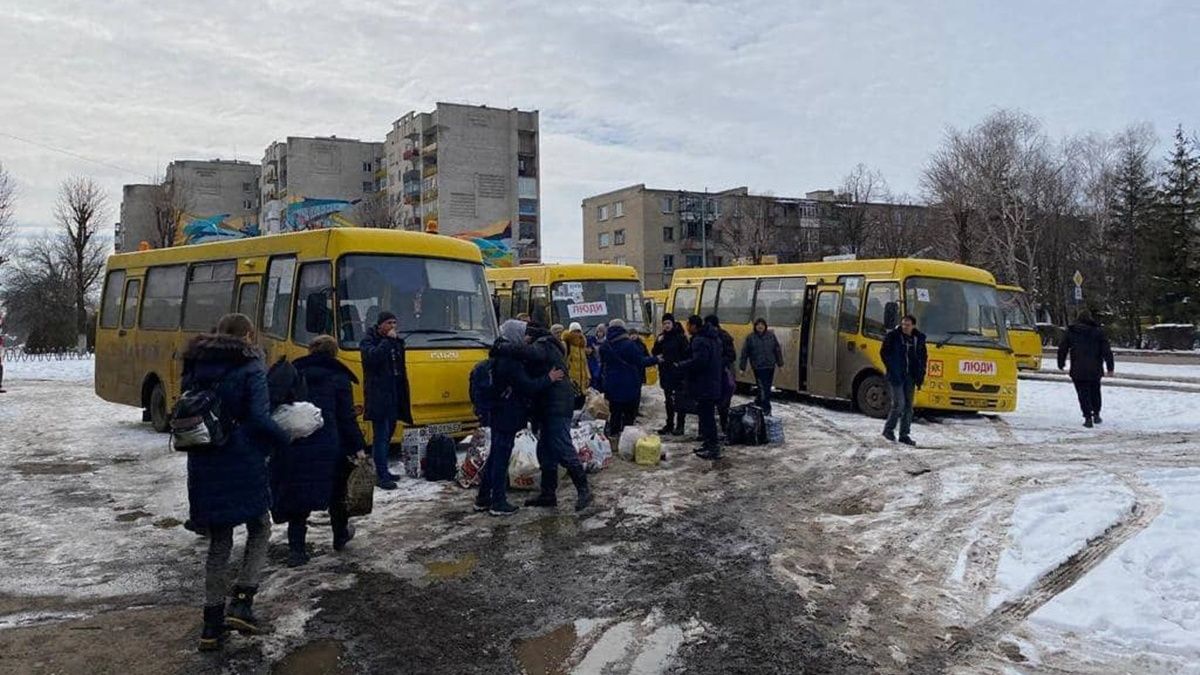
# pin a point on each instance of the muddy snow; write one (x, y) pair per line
(1013, 543)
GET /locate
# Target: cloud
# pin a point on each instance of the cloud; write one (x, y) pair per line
(778, 95)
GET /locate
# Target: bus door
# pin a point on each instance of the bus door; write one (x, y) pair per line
(129, 378)
(823, 342)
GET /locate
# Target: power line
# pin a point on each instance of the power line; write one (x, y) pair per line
(76, 155)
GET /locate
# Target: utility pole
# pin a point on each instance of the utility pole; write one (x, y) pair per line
(704, 229)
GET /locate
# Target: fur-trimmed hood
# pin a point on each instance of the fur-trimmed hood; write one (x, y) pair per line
(220, 349)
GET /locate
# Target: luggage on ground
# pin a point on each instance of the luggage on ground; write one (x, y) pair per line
(628, 442)
(648, 450)
(360, 487)
(746, 425)
(774, 430)
(441, 458)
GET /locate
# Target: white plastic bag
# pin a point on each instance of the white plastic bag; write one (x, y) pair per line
(524, 472)
(628, 441)
(299, 420)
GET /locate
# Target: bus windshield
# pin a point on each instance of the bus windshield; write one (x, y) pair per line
(436, 302)
(593, 302)
(1016, 314)
(956, 312)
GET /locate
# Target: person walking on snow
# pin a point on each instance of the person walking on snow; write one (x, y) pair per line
(1087, 347)
(228, 485)
(762, 352)
(904, 356)
(385, 391)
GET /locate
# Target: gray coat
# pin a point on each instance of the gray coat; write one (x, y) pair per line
(761, 351)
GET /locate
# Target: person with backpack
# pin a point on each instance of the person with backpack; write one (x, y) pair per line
(703, 373)
(310, 475)
(728, 358)
(761, 351)
(624, 363)
(507, 398)
(385, 391)
(904, 357)
(672, 345)
(555, 408)
(1091, 355)
(228, 483)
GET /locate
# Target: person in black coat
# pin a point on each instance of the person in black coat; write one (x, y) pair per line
(761, 351)
(624, 362)
(514, 391)
(311, 474)
(555, 406)
(728, 358)
(672, 346)
(1090, 354)
(385, 391)
(904, 357)
(228, 485)
(704, 374)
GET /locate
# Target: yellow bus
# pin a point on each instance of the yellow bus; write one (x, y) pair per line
(154, 301)
(656, 306)
(831, 317)
(1022, 331)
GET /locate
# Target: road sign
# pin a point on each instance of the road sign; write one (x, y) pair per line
(1078, 293)
(1078, 278)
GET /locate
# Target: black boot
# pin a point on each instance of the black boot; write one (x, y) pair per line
(297, 533)
(543, 500)
(584, 498)
(240, 616)
(1087, 421)
(343, 537)
(679, 425)
(213, 632)
(1096, 419)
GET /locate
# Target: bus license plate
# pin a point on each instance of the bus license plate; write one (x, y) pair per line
(447, 428)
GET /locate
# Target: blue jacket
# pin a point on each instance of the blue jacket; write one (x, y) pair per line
(229, 485)
(303, 475)
(385, 378)
(624, 362)
(703, 368)
(904, 365)
(515, 388)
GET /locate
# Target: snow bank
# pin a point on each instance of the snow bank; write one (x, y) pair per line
(1048, 526)
(1147, 594)
(70, 370)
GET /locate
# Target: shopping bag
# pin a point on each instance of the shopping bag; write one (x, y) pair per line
(648, 450)
(478, 446)
(524, 472)
(628, 442)
(300, 420)
(774, 426)
(360, 487)
(596, 406)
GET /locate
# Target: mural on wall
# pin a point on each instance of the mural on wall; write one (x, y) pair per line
(495, 242)
(307, 213)
(221, 227)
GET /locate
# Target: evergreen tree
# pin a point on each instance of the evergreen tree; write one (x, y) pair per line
(1171, 245)
(1132, 211)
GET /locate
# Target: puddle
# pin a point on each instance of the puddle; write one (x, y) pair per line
(319, 657)
(130, 516)
(552, 526)
(547, 654)
(27, 619)
(167, 523)
(452, 569)
(124, 459)
(53, 468)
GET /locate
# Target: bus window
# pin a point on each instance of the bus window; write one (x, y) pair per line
(735, 301)
(956, 312)
(520, 297)
(780, 300)
(708, 298)
(277, 301)
(163, 297)
(504, 304)
(209, 294)
(879, 295)
(133, 291)
(852, 289)
(110, 306)
(315, 279)
(539, 306)
(248, 299)
(685, 302)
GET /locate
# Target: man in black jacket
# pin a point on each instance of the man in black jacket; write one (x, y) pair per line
(728, 358)
(555, 406)
(1088, 348)
(904, 356)
(704, 372)
(672, 346)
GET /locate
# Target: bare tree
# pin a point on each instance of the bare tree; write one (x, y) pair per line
(171, 202)
(81, 210)
(947, 188)
(900, 228)
(375, 211)
(8, 202)
(37, 296)
(750, 227)
(861, 187)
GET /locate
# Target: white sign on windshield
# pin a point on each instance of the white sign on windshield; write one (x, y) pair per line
(922, 295)
(579, 309)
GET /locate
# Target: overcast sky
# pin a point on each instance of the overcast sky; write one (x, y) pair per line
(782, 96)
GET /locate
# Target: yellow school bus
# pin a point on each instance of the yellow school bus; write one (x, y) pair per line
(1022, 331)
(154, 301)
(831, 318)
(656, 306)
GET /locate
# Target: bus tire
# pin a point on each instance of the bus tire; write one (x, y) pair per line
(159, 418)
(873, 396)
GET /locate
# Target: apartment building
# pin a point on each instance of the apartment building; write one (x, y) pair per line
(468, 169)
(304, 178)
(138, 216)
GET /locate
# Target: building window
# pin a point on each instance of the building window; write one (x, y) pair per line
(619, 236)
(692, 260)
(527, 207)
(666, 204)
(367, 167)
(668, 234)
(247, 187)
(368, 187)
(618, 209)
(605, 239)
(247, 204)
(620, 260)
(602, 212)
(668, 262)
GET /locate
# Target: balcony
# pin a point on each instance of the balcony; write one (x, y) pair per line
(430, 194)
(409, 153)
(411, 176)
(691, 244)
(430, 148)
(430, 170)
(412, 198)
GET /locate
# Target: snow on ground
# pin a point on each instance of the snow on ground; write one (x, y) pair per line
(1048, 526)
(68, 370)
(1163, 370)
(1046, 409)
(1146, 596)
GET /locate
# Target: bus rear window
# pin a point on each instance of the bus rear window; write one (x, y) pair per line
(163, 297)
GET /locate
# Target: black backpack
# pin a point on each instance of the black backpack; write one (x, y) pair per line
(196, 420)
(441, 458)
(482, 390)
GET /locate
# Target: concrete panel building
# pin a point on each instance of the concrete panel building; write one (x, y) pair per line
(320, 168)
(138, 216)
(224, 191)
(463, 168)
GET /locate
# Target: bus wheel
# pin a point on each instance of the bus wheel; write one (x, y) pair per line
(873, 396)
(158, 409)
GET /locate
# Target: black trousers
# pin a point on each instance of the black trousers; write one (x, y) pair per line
(1088, 392)
(620, 415)
(708, 425)
(670, 397)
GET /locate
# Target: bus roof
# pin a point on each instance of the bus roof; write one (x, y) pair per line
(340, 239)
(878, 268)
(549, 273)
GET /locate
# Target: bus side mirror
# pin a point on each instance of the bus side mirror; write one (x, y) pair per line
(316, 313)
(891, 314)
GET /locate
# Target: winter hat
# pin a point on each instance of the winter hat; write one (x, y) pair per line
(667, 316)
(617, 323)
(575, 327)
(384, 316)
(513, 331)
